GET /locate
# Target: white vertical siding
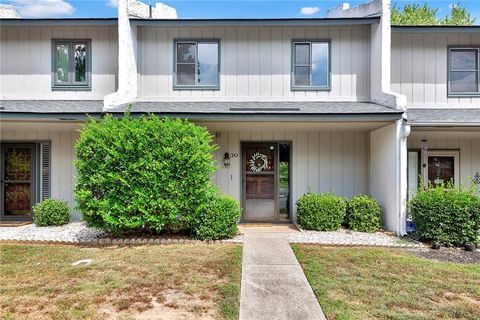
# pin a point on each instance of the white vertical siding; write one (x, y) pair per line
(419, 67)
(26, 61)
(256, 62)
(63, 153)
(468, 143)
(321, 161)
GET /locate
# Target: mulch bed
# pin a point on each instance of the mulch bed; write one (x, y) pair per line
(458, 255)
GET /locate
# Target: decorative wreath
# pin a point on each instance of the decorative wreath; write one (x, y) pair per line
(258, 162)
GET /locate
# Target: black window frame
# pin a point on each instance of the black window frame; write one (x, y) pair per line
(195, 86)
(454, 94)
(311, 87)
(72, 85)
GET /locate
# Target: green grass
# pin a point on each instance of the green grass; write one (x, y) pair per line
(193, 281)
(367, 283)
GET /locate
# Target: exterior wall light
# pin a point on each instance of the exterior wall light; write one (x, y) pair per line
(226, 159)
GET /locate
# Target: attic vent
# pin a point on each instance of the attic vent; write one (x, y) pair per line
(264, 109)
(45, 168)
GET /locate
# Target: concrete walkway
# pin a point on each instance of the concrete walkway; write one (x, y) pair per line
(273, 283)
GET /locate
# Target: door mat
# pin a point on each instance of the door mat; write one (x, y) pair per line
(14, 223)
(256, 225)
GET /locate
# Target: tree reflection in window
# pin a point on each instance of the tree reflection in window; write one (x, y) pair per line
(80, 62)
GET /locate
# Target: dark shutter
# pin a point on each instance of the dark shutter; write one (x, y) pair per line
(45, 170)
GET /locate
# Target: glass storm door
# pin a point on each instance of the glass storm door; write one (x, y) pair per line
(17, 181)
(442, 168)
(260, 182)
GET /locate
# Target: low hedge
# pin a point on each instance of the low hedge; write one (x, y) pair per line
(51, 212)
(447, 216)
(363, 214)
(218, 220)
(322, 211)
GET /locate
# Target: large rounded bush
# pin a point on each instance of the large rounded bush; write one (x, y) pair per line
(219, 219)
(364, 214)
(324, 211)
(447, 216)
(51, 212)
(143, 173)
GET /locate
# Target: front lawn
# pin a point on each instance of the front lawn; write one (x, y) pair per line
(197, 281)
(374, 283)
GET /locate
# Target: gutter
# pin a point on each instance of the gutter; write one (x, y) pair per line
(251, 117)
(255, 22)
(444, 124)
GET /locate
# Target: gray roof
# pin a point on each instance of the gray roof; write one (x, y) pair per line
(51, 106)
(444, 117)
(63, 107)
(198, 22)
(436, 29)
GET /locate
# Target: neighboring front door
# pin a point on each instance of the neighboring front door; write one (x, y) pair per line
(17, 181)
(260, 182)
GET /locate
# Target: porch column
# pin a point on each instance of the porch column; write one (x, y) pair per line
(388, 173)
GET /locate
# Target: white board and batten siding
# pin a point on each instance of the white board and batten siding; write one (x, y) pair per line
(62, 154)
(419, 67)
(255, 63)
(321, 161)
(26, 61)
(467, 143)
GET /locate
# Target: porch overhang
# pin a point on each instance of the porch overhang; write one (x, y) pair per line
(309, 111)
(444, 117)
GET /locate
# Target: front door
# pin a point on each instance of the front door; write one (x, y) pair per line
(260, 182)
(17, 181)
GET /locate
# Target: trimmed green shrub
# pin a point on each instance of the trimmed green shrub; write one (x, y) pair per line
(51, 212)
(324, 211)
(143, 173)
(364, 214)
(218, 220)
(447, 216)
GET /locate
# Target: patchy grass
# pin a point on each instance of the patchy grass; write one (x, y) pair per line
(176, 281)
(371, 283)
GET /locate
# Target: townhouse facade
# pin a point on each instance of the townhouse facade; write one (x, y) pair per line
(343, 104)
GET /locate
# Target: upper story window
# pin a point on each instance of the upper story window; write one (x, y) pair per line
(71, 65)
(463, 71)
(196, 64)
(311, 65)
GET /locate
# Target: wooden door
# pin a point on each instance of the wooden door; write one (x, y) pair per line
(260, 182)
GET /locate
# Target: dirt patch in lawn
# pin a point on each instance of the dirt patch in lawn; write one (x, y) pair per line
(457, 255)
(171, 304)
(197, 281)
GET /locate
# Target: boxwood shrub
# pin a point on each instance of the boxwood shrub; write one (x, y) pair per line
(446, 215)
(320, 211)
(51, 212)
(218, 220)
(143, 173)
(363, 214)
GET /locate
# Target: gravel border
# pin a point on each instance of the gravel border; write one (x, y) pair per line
(344, 237)
(79, 233)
